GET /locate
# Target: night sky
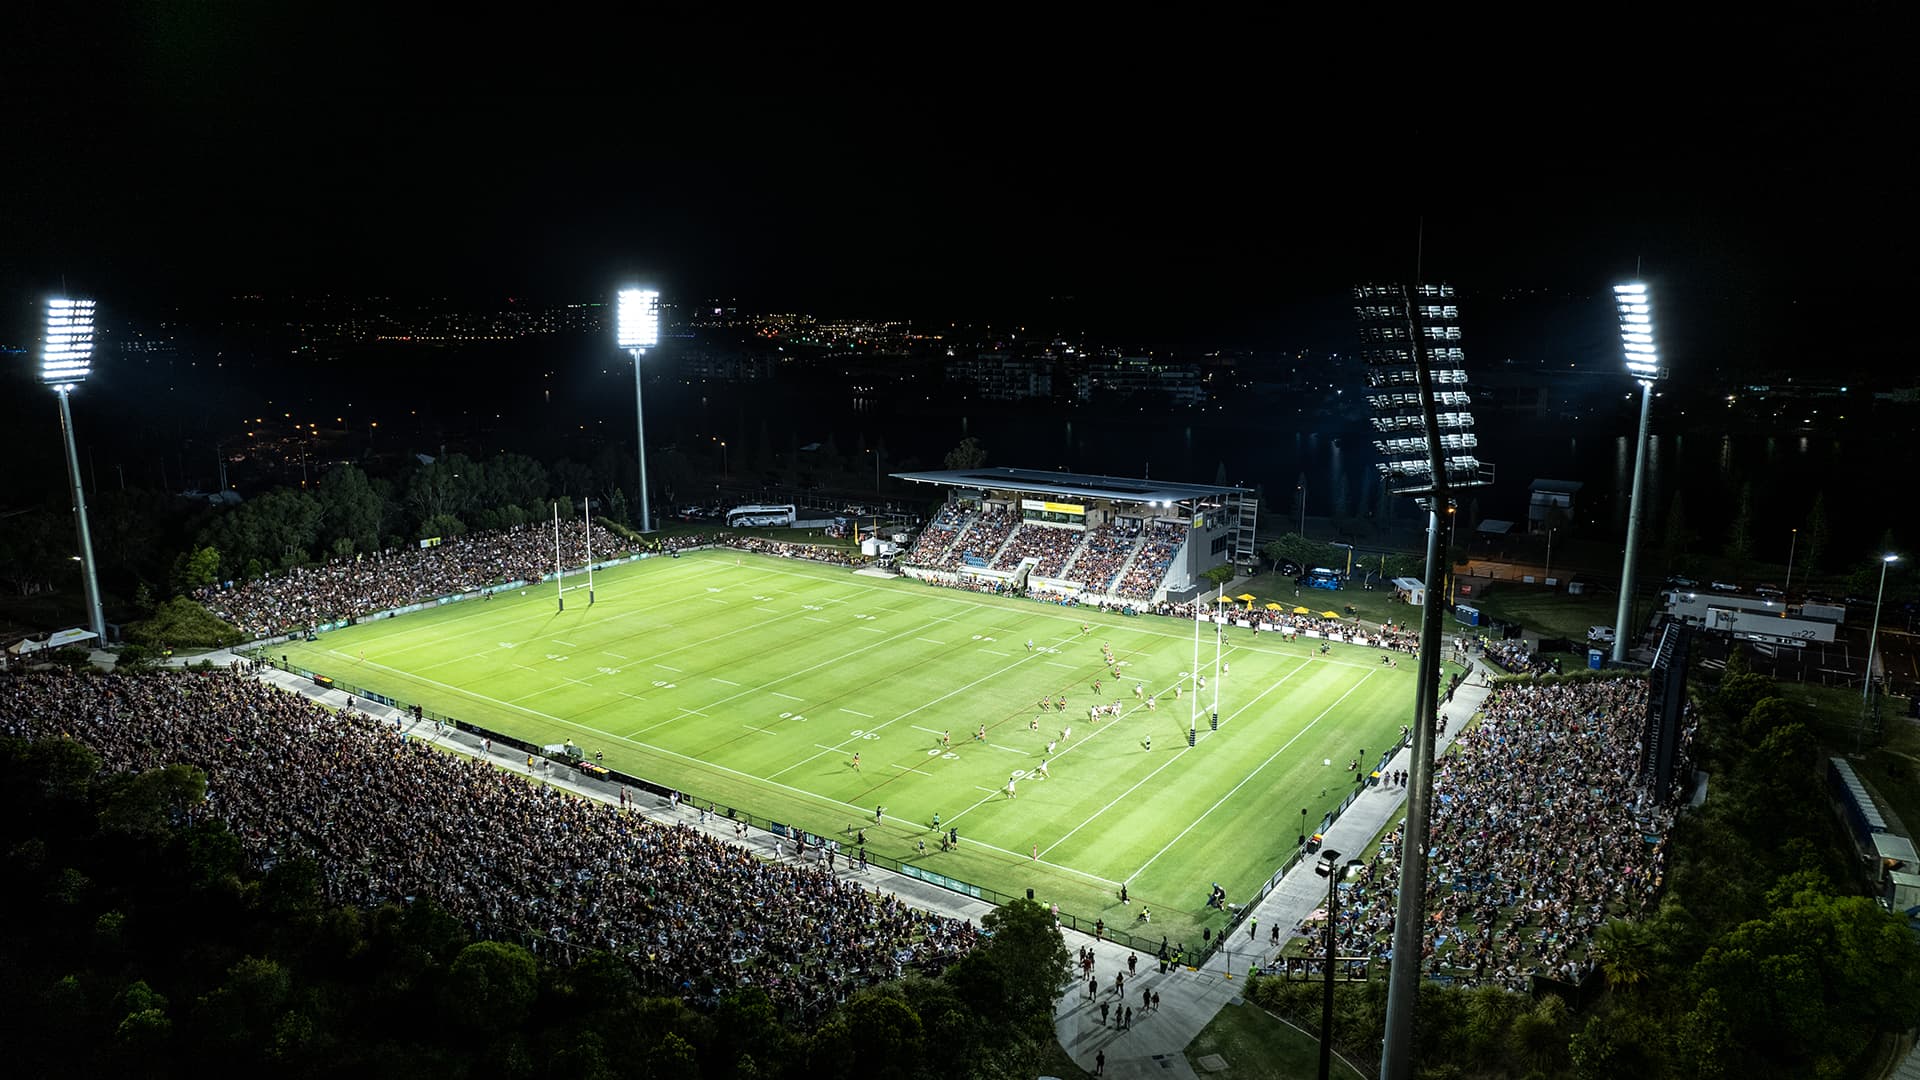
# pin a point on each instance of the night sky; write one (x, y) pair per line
(1167, 177)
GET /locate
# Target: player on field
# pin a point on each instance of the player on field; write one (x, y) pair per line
(1010, 783)
(1043, 770)
(856, 761)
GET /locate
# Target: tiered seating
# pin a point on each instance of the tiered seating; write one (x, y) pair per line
(981, 539)
(935, 538)
(1051, 544)
(1156, 554)
(1101, 557)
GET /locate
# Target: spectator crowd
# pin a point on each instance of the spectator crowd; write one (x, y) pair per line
(389, 818)
(1539, 836)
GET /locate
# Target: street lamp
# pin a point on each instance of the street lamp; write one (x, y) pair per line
(1866, 686)
(1330, 867)
(638, 331)
(66, 353)
(1792, 546)
(1635, 309)
(1302, 489)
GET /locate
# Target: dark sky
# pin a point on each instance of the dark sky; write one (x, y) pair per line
(1212, 170)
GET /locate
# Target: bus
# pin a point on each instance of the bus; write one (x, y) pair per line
(755, 516)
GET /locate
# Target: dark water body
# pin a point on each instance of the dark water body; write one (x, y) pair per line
(574, 398)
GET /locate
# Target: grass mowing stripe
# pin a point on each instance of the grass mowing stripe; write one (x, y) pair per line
(1283, 749)
(1178, 754)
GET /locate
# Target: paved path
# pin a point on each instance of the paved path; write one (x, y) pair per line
(1155, 1044)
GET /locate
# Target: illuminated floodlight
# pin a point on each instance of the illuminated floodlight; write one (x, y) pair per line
(639, 318)
(66, 352)
(1635, 308)
(1414, 411)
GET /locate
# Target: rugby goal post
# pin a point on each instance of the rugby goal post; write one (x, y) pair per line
(559, 570)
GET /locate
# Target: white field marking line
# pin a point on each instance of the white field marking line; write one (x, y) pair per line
(695, 712)
(1010, 749)
(714, 600)
(540, 616)
(615, 655)
(774, 682)
(675, 670)
(870, 630)
(929, 641)
(1257, 770)
(576, 725)
(814, 618)
(929, 704)
(638, 611)
(1169, 764)
(568, 644)
(1115, 629)
(717, 679)
(825, 747)
(994, 793)
(995, 652)
(868, 716)
(928, 730)
(761, 730)
(909, 768)
(1056, 663)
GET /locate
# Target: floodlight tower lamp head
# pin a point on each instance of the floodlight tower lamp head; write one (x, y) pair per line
(1635, 308)
(638, 319)
(66, 351)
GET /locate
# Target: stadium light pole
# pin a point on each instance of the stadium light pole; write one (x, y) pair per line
(1793, 547)
(638, 331)
(1331, 868)
(1635, 309)
(66, 359)
(1416, 389)
(1873, 639)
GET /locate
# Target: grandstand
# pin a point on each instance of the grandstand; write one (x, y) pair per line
(1097, 539)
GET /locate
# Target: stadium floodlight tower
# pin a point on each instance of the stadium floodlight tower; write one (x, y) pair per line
(639, 330)
(1417, 391)
(66, 359)
(1643, 363)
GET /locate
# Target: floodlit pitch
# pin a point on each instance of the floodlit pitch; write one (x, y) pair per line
(755, 682)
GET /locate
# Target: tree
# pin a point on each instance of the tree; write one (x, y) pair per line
(492, 984)
(152, 803)
(1679, 535)
(1817, 537)
(350, 509)
(1626, 953)
(1220, 575)
(1740, 530)
(967, 455)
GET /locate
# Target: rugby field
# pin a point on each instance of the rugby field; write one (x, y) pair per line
(753, 682)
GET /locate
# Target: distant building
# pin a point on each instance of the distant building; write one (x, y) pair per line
(1547, 496)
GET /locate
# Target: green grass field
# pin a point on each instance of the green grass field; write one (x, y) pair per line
(753, 681)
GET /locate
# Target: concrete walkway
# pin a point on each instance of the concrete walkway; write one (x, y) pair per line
(1155, 1044)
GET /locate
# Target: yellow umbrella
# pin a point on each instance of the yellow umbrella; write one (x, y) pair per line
(1245, 596)
(1223, 599)
(1329, 614)
(1301, 611)
(1275, 607)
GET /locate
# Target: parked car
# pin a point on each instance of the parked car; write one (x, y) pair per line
(1601, 634)
(1768, 591)
(1679, 582)
(1723, 586)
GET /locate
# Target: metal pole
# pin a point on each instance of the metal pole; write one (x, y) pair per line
(95, 622)
(1303, 511)
(1792, 546)
(1622, 633)
(587, 501)
(640, 425)
(559, 588)
(1549, 574)
(1326, 1001)
(1873, 639)
(1409, 917)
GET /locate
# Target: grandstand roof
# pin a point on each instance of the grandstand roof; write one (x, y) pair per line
(1081, 485)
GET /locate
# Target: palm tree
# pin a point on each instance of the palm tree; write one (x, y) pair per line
(1626, 953)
